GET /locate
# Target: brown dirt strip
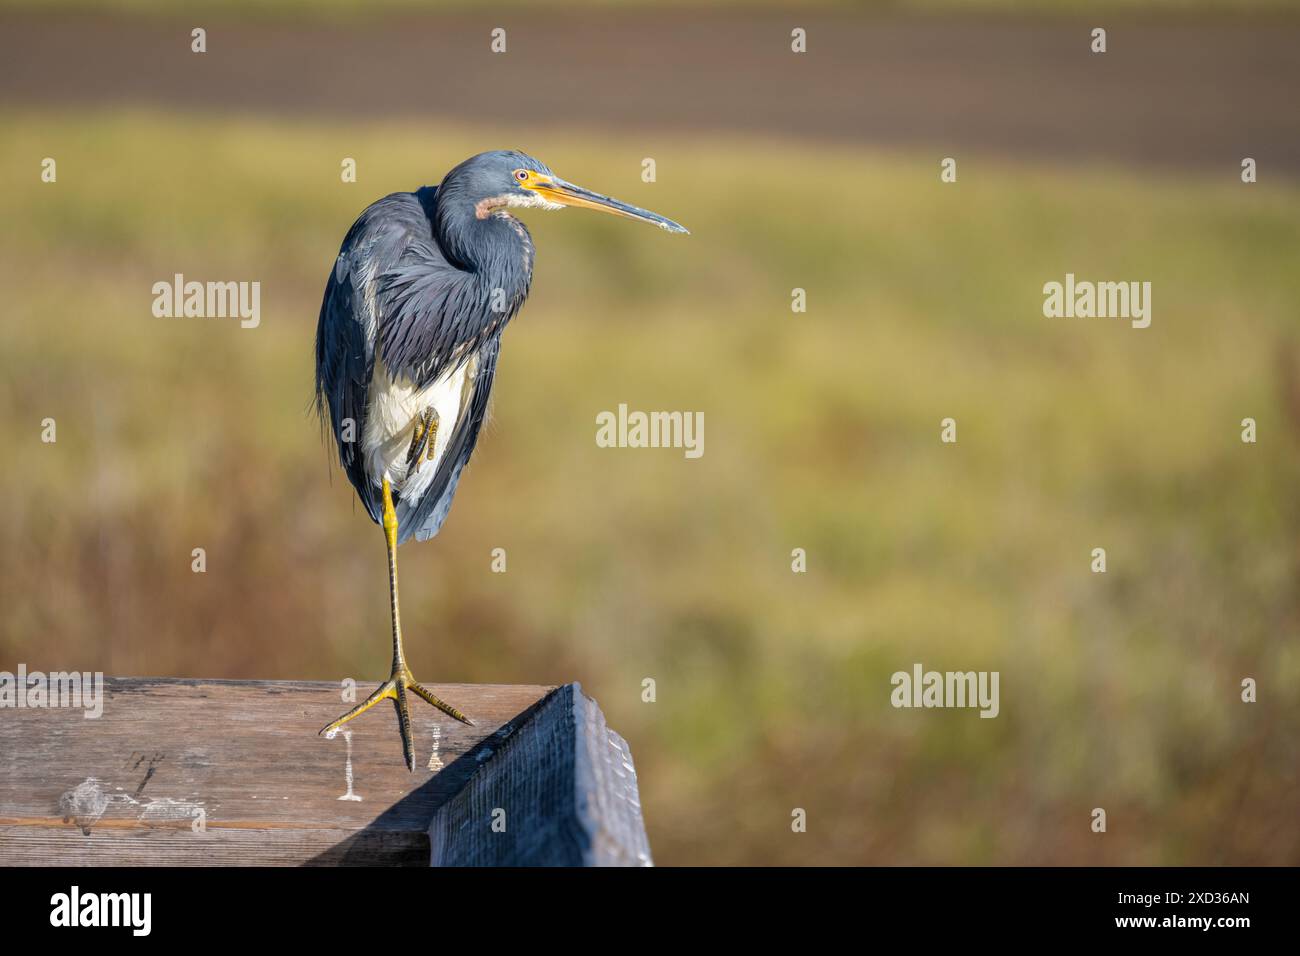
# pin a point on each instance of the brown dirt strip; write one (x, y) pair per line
(1170, 91)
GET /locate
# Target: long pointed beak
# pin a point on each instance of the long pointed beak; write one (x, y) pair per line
(557, 190)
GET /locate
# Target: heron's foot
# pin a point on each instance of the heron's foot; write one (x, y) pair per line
(423, 440)
(395, 689)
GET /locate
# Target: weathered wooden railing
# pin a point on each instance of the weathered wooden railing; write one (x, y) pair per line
(232, 772)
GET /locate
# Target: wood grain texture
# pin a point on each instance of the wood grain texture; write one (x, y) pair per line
(561, 790)
(245, 758)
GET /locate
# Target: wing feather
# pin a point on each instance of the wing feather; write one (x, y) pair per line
(345, 361)
(424, 516)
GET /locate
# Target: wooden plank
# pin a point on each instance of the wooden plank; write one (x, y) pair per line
(561, 790)
(244, 758)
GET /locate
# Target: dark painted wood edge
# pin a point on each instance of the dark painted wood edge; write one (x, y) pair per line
(562, 791)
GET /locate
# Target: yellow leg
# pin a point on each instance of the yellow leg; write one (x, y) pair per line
(401, 679)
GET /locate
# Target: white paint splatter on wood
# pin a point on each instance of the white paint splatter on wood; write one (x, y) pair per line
(347, 770)
(435, 761)
(87, 802)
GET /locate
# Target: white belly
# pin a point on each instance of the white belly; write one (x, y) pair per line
(392, 414)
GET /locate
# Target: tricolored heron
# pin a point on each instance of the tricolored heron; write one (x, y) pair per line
(407, 344)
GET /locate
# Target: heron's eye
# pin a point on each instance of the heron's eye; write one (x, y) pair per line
(521, 175)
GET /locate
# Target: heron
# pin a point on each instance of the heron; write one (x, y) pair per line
(406, 352)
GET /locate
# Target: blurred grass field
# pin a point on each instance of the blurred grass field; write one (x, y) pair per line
(822, 432)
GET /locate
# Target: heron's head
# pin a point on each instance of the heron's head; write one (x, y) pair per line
(507, 177)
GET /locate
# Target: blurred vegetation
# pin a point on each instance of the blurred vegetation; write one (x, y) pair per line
(822, 432)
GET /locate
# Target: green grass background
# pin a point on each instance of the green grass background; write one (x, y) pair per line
(822, 432)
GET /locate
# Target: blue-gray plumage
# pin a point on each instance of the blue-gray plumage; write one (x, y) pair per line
(407, 344)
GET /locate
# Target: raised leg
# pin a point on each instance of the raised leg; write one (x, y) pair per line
(423, 439)
(401, 679)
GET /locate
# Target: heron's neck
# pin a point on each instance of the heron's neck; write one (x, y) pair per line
(476, 237)
(505, 269)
